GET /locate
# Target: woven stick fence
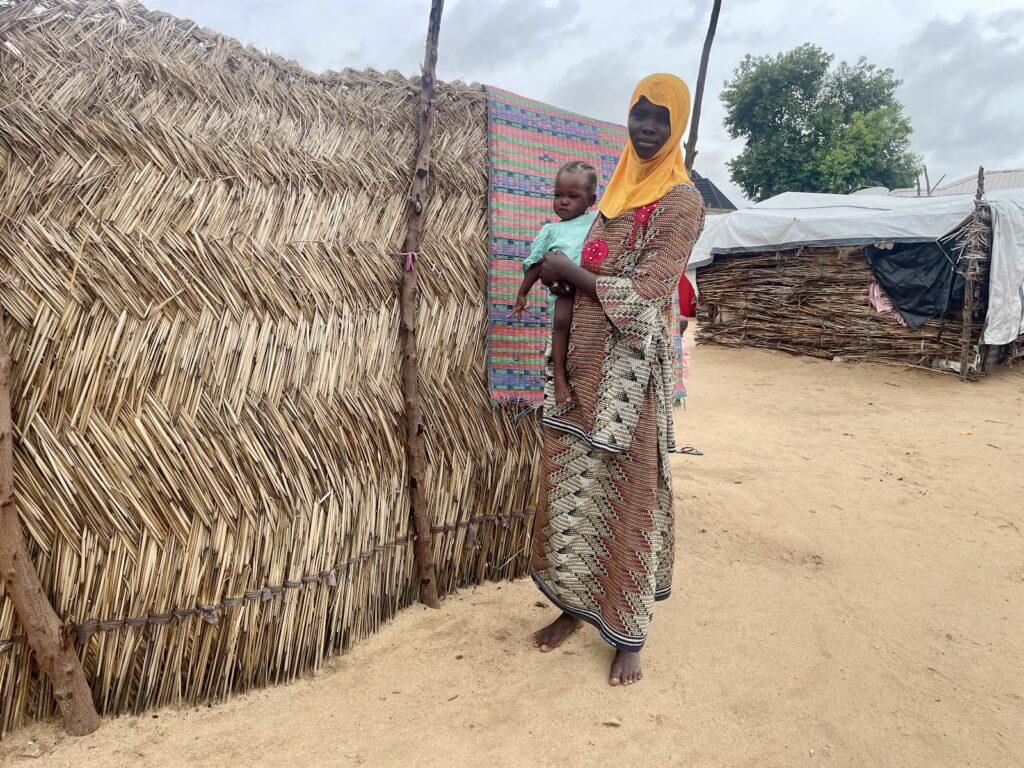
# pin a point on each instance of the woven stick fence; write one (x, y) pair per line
(209, 457)
(814, 301)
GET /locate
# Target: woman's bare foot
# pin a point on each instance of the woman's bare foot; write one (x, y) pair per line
(625, 668)
(563, 395)
(553, 634)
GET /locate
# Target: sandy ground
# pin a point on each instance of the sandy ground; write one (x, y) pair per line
(849, 592)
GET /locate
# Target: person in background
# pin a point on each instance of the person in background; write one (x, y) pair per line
(687, 309)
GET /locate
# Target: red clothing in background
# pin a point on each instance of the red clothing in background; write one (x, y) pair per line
(687, 298)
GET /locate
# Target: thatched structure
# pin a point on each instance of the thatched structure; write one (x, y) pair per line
(203, 319)
(815, 301)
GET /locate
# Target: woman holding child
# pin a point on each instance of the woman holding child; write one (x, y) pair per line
(603, 534)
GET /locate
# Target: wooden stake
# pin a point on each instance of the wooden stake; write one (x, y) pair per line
(51, 644)
(972, 276)
(414, 426)
(702, 76)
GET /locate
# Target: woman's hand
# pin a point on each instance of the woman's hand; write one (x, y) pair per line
(554, 267)
(560, 289)
(562, 276)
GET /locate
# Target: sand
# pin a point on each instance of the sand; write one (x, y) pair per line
(849, 592)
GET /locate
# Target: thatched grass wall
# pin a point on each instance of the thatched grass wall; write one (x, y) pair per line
(204, 327)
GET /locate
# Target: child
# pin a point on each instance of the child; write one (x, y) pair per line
(575, 192)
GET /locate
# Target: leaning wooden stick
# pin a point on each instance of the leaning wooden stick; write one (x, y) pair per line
(414, 447)
(698, 95)
(51, 644)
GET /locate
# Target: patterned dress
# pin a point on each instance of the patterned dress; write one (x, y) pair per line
(603, 535)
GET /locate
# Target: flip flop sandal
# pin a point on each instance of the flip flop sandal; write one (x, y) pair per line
(689, 450)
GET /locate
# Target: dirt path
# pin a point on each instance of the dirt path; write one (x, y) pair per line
(849, 592)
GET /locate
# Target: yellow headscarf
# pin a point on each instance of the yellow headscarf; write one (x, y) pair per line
(637, 182)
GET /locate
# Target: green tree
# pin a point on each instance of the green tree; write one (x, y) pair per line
(813, 128)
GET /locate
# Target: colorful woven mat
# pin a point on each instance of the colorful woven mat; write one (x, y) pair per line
(528, 142)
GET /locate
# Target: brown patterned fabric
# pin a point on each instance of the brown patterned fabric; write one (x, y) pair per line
(603, 535)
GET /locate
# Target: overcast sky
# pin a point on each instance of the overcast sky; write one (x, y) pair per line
(962, 63)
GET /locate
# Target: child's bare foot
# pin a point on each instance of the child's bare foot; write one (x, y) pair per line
(553, 634)
(625, 668)
(563, 395)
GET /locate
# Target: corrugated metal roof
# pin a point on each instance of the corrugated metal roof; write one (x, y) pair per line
(994, 180)
(714, 198)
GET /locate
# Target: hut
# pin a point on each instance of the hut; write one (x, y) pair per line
(927, 282)
(203, 311)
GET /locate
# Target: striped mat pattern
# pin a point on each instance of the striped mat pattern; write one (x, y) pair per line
(528, 141)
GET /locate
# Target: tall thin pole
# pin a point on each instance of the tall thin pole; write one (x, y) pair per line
(414, 427)
(972, 276)
(702, 76)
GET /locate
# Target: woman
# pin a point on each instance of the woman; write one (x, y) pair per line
(603, 535)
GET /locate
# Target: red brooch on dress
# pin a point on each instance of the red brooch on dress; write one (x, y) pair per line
(641, 216)
(594, 253)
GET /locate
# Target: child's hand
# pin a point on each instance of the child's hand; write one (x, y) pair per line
(519, 308)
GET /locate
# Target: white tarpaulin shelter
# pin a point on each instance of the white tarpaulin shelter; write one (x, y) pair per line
(794, 219)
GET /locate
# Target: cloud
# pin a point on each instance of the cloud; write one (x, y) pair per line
(600, 86)
(319, 34)
(482, 37)
(964, 90)
(688, 24)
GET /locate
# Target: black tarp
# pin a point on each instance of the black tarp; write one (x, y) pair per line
(920, 279)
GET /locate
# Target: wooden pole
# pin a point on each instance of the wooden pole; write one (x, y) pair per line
(50, 642)
(972, 272)
(414, 427)
(698, 95)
